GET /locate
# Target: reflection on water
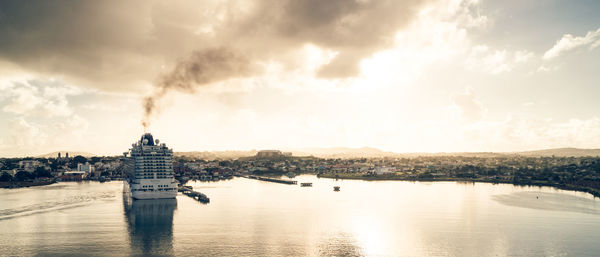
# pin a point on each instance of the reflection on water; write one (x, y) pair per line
(256, 218)
(150, 225)
(340, 245)
(549, 201)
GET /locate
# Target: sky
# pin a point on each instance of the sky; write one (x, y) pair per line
(401, 76)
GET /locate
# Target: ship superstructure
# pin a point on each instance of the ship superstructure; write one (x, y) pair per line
(149, 170)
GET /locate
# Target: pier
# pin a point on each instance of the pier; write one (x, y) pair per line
(275, 180)
(187, 190)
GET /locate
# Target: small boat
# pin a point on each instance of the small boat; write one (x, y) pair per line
(307, 184)
(336, 188)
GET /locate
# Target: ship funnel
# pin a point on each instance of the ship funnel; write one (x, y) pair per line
(147, 139)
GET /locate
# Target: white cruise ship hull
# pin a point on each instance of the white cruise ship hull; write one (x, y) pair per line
(148, 167)
(146, 193)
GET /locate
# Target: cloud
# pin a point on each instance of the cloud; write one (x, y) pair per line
(78, 41)
(522, 56)
(157, 42)
(513, 133)
(68, 132)
(24, 134)
(482, 58)
(568, 43)
(545, 68)
(470, 107)
(527, 134)
(528, 104)
(294, 73)
(38, 98)
(30, 137)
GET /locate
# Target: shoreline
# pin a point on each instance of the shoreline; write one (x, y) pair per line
(594, 192)
(22, 184)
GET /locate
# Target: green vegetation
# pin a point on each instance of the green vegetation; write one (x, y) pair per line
(42, 172)
(572, 173)
(5, 177)
(24, 176)
(581, 174)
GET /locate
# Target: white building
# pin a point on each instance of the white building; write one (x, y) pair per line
(382, 170)
(87, 167)
(29, 165)
(10, 172)
(268, 153)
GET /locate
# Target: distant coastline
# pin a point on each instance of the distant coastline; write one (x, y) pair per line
(21, 184)
(592, 191)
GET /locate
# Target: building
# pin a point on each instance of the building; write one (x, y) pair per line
(87, 167)
(73, 176)
(382, 170)
(29, 165)
(10, 172)
(269, 154)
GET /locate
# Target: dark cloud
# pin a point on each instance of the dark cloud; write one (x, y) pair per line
(110, 43)
(124, 45)
(355, 29)
(83, 40)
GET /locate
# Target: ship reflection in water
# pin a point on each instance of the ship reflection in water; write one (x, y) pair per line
(259, 218)
(150, 225)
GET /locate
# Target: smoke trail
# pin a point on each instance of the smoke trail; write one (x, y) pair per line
(199, 69)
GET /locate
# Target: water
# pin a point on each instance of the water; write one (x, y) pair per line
(254, 218)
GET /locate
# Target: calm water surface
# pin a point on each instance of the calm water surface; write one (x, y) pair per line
(255, 218)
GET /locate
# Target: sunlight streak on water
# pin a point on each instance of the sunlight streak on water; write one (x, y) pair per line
(255, 218)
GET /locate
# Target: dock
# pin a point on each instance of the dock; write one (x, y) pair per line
(275, 180)
(187, 190)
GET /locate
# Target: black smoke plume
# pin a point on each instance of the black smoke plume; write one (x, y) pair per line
(199, 69)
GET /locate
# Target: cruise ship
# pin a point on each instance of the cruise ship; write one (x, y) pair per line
(149, 170)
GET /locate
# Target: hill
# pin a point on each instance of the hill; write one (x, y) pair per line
(562, 152)
(215, 155)
(71, 154)
(342, 152)
(369, 152)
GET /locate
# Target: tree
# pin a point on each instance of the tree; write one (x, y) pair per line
(23, 175)
(76, 160)
(10, 164)
(41, 172)
(79, 159)
(54, 164)
(95, 159)
(5, 177)
(211, 169)
(425, 175)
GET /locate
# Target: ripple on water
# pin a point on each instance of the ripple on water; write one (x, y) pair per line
(550, 201)
(48, 206)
